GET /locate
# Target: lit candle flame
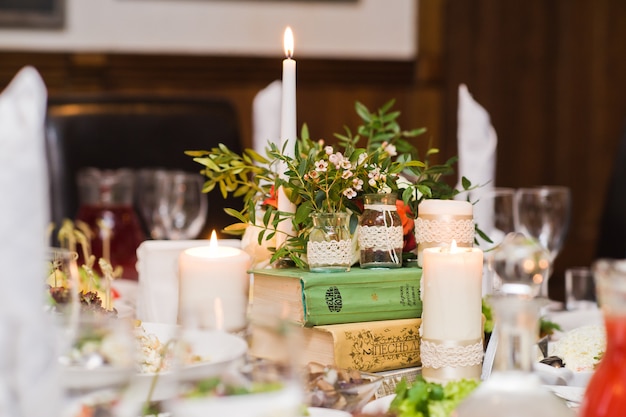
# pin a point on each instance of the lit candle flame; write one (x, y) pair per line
(288, 42)
(453, 247)
(213, 240)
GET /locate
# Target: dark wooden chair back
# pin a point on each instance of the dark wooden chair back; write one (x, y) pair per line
(110, 131)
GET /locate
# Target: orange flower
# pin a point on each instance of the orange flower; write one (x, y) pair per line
(272, 200)
(408, 224)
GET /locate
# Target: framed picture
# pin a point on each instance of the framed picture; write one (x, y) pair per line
(45, 14)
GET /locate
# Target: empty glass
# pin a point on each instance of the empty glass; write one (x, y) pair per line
(171, 203)
(543, 213)
(498, 204)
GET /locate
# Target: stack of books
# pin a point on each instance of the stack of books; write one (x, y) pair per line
(364, 319)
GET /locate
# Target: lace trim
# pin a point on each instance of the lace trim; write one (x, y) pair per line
(334, 252)
(380, 237)
(444, 231)
(452, 354)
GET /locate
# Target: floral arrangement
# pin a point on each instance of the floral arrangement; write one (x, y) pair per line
(379, 157)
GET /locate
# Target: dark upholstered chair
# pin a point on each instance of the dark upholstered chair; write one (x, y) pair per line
(109, 131)
(612, 233)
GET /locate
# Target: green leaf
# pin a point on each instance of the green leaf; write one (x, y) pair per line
(236, 214)
(362, 111)
(236, 227)
(466, 183)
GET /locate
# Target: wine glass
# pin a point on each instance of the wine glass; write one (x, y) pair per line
(186, 205)
(151, 206)
(171, 203)
(543, 213)
(498, 206)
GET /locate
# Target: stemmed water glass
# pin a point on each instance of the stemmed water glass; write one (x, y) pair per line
(172, 203)
(498, 205)
(543, 213)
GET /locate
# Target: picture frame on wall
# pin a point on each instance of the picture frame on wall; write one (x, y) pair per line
(43, 14)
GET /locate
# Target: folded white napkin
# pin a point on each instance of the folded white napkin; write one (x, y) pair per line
(477, 144)
(157, 265)
(266, 117)
(29, 378)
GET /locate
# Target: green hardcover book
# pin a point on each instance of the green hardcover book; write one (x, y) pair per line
(313, 299)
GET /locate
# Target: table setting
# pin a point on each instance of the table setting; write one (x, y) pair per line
(179, 338)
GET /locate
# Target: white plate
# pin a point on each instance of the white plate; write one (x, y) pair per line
(569, 320)
(81, 379)
(223, 350)
(573, 395)
(379, 405)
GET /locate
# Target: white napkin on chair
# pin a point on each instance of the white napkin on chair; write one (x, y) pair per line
(29, 377)
(477, 144)
(266, 117)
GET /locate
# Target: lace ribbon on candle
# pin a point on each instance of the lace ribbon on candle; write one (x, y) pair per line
(445, 228)
(334, 252)
(439, 353)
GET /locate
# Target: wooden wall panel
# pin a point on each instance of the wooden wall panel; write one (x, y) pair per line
(551, 74)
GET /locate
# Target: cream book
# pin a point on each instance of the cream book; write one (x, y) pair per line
(372, 346)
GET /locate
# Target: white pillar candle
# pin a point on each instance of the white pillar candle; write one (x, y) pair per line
(452, 329)
(214, 283)
(441, 221)
(288, 129)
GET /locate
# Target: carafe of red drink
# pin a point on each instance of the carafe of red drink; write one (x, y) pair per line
(605, 395)
(106, 205)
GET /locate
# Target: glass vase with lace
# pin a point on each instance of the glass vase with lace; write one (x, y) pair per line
(329, 248)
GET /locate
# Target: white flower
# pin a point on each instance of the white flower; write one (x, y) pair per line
(350, 193)
(346, 174)
(329, 150)
(321, 165)
(372, 182)
(361, 158)
(357, 184)
(345, 164)
(336, 159)
(313, 175)
(390, 149)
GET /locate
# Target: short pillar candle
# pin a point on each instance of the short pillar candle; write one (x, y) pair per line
(214, 285)
(452, 330)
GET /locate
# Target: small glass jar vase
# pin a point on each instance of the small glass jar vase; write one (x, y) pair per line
(380, 232)
(330, 245)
